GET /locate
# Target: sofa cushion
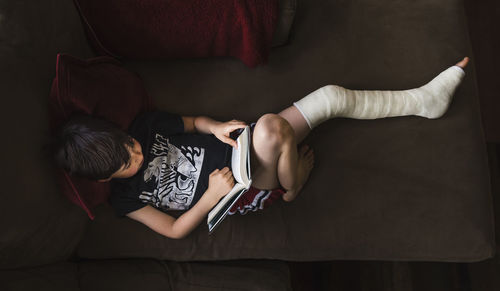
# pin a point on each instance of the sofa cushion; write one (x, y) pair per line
(402, 188)
(149, 274)
(101, 87)
(61, 276)
(248, 275)
(405, 188)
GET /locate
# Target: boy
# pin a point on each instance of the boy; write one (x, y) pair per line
(167, 161)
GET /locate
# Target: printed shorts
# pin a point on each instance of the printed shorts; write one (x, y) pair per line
(254, 199)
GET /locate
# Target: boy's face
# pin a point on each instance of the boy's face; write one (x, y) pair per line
(133, 165)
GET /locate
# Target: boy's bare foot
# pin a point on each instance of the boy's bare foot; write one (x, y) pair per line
(305, 165)
(463, 62)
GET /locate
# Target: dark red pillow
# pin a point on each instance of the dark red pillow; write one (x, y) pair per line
(152, 29)
(101, 87)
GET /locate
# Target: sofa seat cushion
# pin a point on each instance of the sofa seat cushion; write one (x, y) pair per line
(149, 274)
(402, 188)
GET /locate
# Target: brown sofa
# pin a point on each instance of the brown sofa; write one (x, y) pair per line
(403, 188)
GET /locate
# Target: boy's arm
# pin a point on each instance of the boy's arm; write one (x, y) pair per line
(221, 130)
(201, 124)
(220, 182)
(171, 227)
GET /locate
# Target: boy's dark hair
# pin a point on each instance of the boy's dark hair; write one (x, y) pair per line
(91, 147)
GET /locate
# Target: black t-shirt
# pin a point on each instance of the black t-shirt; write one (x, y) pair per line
(176, 167)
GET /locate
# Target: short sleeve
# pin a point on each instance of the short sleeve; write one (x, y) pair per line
(122, 200)
(156, 121)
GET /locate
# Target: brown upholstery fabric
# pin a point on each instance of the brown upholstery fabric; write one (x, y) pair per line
(404, 188)
(392, 189)
(38, 225)
(53, 277)
(140, 274)
(149, 275)
(251, 275)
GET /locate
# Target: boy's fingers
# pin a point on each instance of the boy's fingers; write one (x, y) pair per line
(238, 125)
(230, 141)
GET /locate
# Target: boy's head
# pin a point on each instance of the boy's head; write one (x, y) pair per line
(97, 149)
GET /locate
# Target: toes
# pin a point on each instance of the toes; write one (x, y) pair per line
(303, 149)
(307, 155)
(463, 62)
(310, 158)
(310, 154)
(309, 165)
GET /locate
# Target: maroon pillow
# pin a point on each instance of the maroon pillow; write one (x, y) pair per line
(152, 29)
(101, 87)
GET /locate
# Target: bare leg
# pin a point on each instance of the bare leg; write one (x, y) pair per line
(304, 166)
(275, 160)
(297, 121)
(272, 144)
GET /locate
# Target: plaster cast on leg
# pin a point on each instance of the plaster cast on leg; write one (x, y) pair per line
(430, 100)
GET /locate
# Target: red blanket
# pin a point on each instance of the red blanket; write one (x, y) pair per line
(148, 29)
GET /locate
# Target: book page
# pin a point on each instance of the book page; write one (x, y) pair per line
(236, 161)
(240, 160)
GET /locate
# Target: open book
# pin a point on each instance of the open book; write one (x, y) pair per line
(240, 166)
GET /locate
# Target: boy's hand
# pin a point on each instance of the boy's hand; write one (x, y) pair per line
(222, 131)
(220, 182)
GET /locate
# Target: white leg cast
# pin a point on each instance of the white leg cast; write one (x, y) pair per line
(430, 100)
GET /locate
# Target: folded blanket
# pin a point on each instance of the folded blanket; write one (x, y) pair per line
(152, 29)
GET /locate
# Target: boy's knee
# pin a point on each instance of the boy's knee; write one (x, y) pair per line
(274, 129)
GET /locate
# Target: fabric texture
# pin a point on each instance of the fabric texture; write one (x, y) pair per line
(176, 168)
(178, 29)
(100, 87)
